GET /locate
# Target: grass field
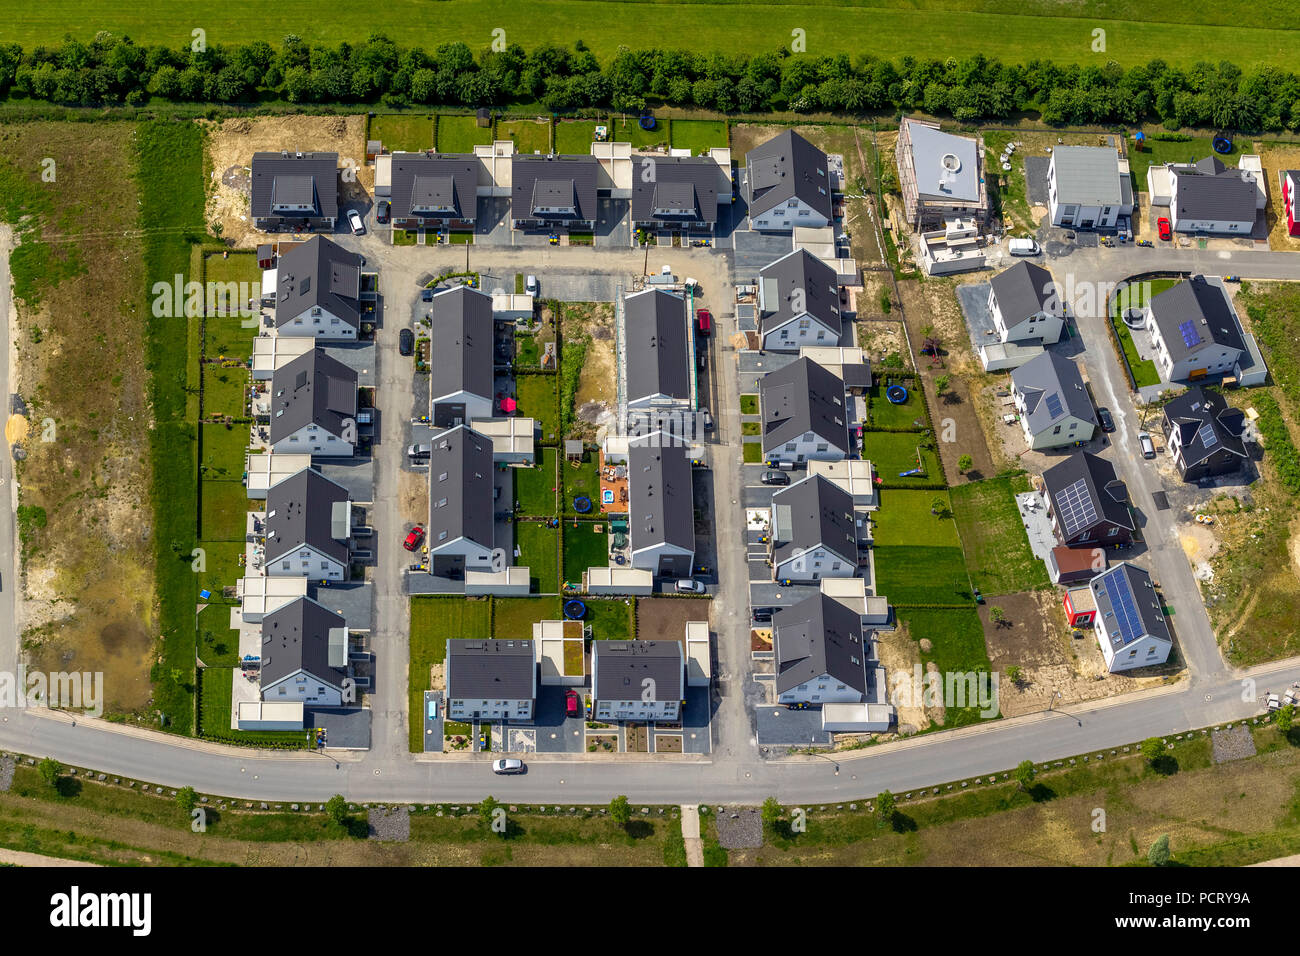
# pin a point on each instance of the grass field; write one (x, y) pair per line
(905, 518)
(222, 569)
(223, 449)
(529, 136)
(535, 488)
(626, 129)
(218, 642)
(957, 646)
(885, 414)
(583, 480)
(1135, 32)
(224, 506)
(919, 574)
(584, 548)
(539, 398)
(699, 136)
(224, 390)
(460, 134)
(575, 137)
(997, 550)
(1136, 296)
(215, 692)
(514, 617)
(895, 452)
(433, 620)
(539, 551)
(403, 131)
(610, 620)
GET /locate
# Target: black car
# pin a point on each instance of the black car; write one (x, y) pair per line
(406, 342)
(381, 215)
(1107, 423)
(763, 615)
(426, 295)
(775, 478)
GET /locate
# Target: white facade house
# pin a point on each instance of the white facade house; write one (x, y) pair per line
(789, 184)
(1055, 408)
(661, 506)
(1195, 331)
(1130, 623)
(805, 416)
(308, 526)
(304, 655)
(1088, 187)
(491, 679)
(1026, 306)
(815, 532)
(1209, 197)
(460, 530)
(638, 680)
(461, 340)
(313, 407)
(317, 288)
(822, 653)
(799, 303)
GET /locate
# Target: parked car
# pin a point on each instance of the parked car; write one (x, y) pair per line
(704, 321)
(572, 704)
(426, 295)
(354, 220)
(420, 451)
(406, 342)
(763, 615)
(1166, 232)
(1148, 448)
(413, 538)
(381, 214)
(530, 285)
(1107, 423)
(1022, 247)
(508, 765)
(707, 419)
(690, 586)
(775, 478)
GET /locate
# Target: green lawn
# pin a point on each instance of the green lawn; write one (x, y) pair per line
(215, 693)
(1136, 296)
(218, 641)
(224, 510)
(1157, 152)
(539, 551)
(749, 404)
(574, 137)
(539, 398)
(535, 488)
(752, 451)
(921, 574)
(528, 352)
(610, 618)
(905, 517)
(626, 129)
(582, 480)
(997, 549)
(403, 131)
(433, 620)
(223, 450)
(957, 646)
(405, 237)
(529, 136)
(226, 337)
(699, 136)
(584, 548)
(224, 390)
(514, 617)
(460, 134)
(894, 452)
(221, 565)
(885, 414)
(236, 267)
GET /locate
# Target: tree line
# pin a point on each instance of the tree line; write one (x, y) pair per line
(112, 70)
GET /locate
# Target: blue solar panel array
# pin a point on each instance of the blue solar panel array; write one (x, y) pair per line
(1124, 605)
(1190, 336)
(1054, 406)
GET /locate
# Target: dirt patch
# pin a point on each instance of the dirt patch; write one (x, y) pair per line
(1274, 158)
(1200, 544)
(232, 143)
(664, 618)
(413, 494)
(899, 655)
(597, 394)
(1034, 636)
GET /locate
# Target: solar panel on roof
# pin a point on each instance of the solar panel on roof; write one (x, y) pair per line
(1124, 607)
(1207, 436)
(1076, 507)
(1054, 406)
(1190, 336)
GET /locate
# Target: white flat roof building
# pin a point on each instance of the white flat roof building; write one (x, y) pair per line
(853, 476)
(260, 595)
(265, 471)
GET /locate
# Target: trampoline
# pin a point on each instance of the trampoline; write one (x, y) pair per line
(574, 610)
(646, 121)
(1222, 144)
(896, 394)
(582, 504)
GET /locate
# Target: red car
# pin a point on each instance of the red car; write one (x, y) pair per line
(703, 321)
(572, 704)
(1166, 233)
(413, 538)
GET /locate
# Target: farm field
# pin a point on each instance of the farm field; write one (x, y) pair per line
(1012, 31)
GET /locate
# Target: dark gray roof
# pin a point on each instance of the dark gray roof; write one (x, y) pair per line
(788, 167)
(1206, 424)
(1209, 190)
(621, 668)
(461, 343)
(553, 181)
(658, 347)
(815, 637)
(490, 670)
(460, 488)
(1127, 606)
(1084, 491)
(297, 637)
(312, 388)
(686, 185)
(1024, 290)
(300, 510)
(434, 185)
(813, 513)
(1053, 389)
(318, 273)
(661, 493)
(287, 177)
(803, 397)
(817, 292)
(1196, 314)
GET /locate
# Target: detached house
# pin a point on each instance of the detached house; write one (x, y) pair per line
(462, 497)
(1055, 409)
(656, 330)
(1130, 622)
(318, 292)
(434, 190)
(799, 303)
(308, 526)
(638, 680)
(675, 192)
(1088, 187)
(553, 192)
(1026, 305)
(1203, 434)
(1207, 196)
(305, 656)
(822, 653)
(788, 184)
(661, 506)
(815, 532)
(804, 415)
(461, 357)
(490, 679)
(1195, 331)
(294, 192)
(1087, 503)
(314, 407)
(941, 176)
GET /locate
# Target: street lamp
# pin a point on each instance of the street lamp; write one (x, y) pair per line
(827, 757)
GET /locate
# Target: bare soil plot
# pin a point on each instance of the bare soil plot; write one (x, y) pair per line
(1276, 157)
(597, 395)
(664, 618)
(638, 738)
(232, 143)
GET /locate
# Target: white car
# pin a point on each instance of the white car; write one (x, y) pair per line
(507, 765)
(690, 586)
(354, 220)
(530, 285)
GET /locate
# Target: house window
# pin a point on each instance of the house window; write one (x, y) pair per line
(822, 447)
(1112, 532)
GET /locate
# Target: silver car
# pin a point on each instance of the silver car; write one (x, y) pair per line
(507, 765)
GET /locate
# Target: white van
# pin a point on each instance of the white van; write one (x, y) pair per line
(1022, 247)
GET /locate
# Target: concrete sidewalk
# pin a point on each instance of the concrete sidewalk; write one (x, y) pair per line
(691, 834)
